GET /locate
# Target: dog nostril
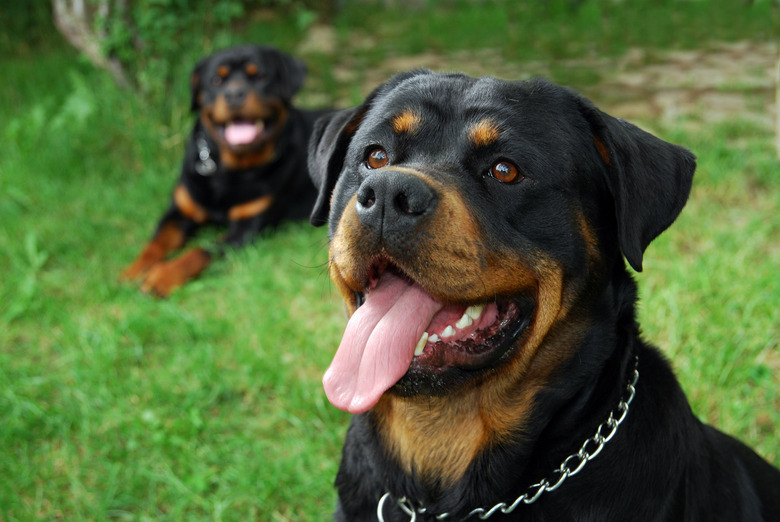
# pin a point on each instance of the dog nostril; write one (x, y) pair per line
(402, 204)
(367, 198)
(412, 203)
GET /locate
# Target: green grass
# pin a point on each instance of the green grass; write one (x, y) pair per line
(116, 405)
(208, 405)
(554, 29)
(710, 285)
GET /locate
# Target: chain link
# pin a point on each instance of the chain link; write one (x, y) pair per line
(570, 466)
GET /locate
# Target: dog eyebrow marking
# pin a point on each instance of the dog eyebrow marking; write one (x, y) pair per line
(223, 71)
(407, 121)
(484, 132)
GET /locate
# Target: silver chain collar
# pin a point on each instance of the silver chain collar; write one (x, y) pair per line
(571, 465)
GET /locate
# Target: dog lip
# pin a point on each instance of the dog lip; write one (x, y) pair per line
(374, 271)
(379, 267)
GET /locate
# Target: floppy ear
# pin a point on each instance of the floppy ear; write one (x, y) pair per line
(329, 142)
(649, 179)
(291, 71)
(327, 148)
(195, 83)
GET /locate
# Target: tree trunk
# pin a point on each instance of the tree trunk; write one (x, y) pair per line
(777, 110)
(75, 19)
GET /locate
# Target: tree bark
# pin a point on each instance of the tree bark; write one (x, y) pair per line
(75, 19)
(777, 110)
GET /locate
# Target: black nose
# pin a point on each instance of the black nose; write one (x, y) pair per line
(392, 201)
(235, 95)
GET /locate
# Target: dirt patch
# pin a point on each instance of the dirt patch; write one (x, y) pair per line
(712, 84)
(716, 84)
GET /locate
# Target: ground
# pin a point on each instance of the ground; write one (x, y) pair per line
(712, 84)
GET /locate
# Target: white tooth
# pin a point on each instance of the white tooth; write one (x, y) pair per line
(433, 338)
(421, 344)
(464, 321)
(475, 311)
(448, 332)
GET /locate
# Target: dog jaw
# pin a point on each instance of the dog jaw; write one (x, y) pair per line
(436, 437)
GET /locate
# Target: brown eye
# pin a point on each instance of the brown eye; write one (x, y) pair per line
(505, 172)
(377, 158)
(251, 69)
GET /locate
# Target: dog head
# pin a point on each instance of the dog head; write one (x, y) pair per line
(243, 96)
(475, 227)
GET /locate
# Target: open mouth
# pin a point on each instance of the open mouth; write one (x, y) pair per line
(400, 328)
(243, 132)
(469, 342)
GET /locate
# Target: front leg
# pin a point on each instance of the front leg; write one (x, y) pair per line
(178, 224)
(164, 278)
(246, 221)
(172, 233)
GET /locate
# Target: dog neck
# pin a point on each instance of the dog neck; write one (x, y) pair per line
(437, 439)
(570, 466)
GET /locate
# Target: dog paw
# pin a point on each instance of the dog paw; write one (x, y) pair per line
(164, 278)
(135, 271)
(146, 260)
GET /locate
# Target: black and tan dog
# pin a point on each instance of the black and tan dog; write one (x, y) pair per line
(244, 165)
(478, 230)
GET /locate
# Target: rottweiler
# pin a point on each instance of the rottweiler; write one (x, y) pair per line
(478, 231)
(244, 164)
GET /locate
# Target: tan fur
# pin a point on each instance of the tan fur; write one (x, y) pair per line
(235, 161)
(407, 121)
(164, 278)
(188, 206)
(168, 239)
(602, 149)
(250, 208)
(591, 242)
(484, 132)
(345, 272)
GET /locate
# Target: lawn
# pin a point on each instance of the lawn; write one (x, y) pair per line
(208, 405)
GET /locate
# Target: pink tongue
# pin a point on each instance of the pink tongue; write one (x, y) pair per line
(241, 133)
(378, 344)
